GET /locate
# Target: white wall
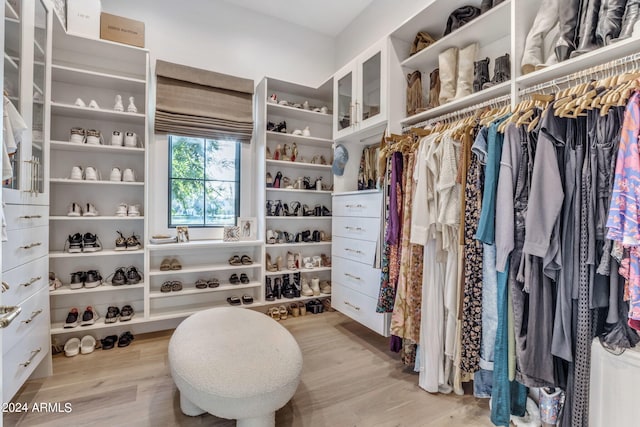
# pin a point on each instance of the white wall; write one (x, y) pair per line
(374, 23)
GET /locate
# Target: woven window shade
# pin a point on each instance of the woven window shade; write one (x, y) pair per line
(200, 103)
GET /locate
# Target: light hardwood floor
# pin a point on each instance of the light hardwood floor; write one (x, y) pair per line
(350, 378)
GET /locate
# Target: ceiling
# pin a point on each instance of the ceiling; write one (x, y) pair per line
(328, 17)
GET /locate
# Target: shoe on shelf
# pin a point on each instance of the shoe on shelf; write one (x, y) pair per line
(78, 136)
(74, 243)
(90, 174)
(74, 210)
(306, 290)
(92, 279)
(126, 313)
(87, 344)
(125, 339)
(131, 108)
(89, 316)
(297, 132)
(128, 175)
(54, 282)
(117, 138)
(91, 243)
(133, 244)
(72, 319)
(119, 277)
(269, 180)
(118, 104)
(130, 140)
(234, 279)
(134, 277)
(200, 284)
(77, 280)
(175, 265)
(213, 283)
(109, 342)
(122, 209)
(94, 137)
(244, 278)
(281, 127)
(76, 173)
(315, 286)
(90, 210)
(271, 127)
(306, 131)
(116, 175)
(247, 299)
(112, 315)
(273, 98)
(94, 104)
(121, 242)
(79, 103)
(72, 347)
(165, 265)
(133, 210)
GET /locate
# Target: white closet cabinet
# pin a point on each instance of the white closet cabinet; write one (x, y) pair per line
(360, 93)
(25, 341)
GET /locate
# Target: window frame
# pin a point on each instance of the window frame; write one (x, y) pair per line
(238, 184)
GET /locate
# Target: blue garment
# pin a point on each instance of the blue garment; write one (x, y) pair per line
(482, 383)
(489, 306)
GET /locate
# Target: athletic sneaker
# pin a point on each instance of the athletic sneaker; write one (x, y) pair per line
(94, 137)
(72, 319)
(54, 282)
(112, 314)
(93, 279)
(76, 173)
(128, 175)
(133, 244)
(90, 210)
(116, 175)
(77, 280)
(133, 277)
(121, 243)
(91, 243)
(74, 243)
(74, 210)
(90, 174)
(133, 210)
(122, 209)
(77, 136)
(130, 139)
(89, 316)
(119, 277)
(94, 104)
(80, 103)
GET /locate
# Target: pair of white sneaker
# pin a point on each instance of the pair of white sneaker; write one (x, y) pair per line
(76, 210)
(93, 104)
(304, 132)
(128, 210)
(75, 346)
(88, 174)
(127, 176)
(82, 136)
(131, 108)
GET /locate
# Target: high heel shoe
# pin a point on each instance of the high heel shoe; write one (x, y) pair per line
(269, 180)
(325, 260)
(295, 207)
(315, 236)
(277, 180)
(271, 127)
(291, 262)
(298, 260)
(270, 211)
(285, 210)
(306, 211)
(286, 182)
(277, 152)
(324, 237)
(317, 210)
(270, 266)
(278, 209)
(298, 184)
(294, 152)
(306, 236)
(286, 153)
(268, 154)
(306, 181)
(281, 127)
(325, 211)
(279, 263)
(271, 237)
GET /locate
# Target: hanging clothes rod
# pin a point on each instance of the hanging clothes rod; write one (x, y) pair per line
(472, 109)
(616, 66)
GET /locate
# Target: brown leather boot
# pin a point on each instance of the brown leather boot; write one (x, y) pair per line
(434, 88)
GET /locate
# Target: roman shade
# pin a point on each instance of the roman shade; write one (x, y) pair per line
(200, 103)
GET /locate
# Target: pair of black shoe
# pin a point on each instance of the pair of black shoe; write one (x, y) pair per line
(234, 279)
(318, 210)
(280, 127)
(282, 287)
(307, 236)
(110, 342)
(87, 279)
(129, 276)
(315, 306)
(114, 314)
(87, 242)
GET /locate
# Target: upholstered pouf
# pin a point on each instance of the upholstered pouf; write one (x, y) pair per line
(234, 363)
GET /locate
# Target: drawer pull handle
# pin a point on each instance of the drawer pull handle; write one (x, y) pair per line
(351, 305)
(352, 276)
(354, 206)
(5, 287)
(34, 353)
(31, 282)
(8, 314)
(31, 216)
(34, 314)
(355, 251)
(354, 228)
(31, 245)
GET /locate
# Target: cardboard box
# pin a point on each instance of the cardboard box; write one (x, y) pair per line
(122, 30)
(83, 18)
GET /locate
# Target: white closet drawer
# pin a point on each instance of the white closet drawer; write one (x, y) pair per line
(360, 308)
(24, 246)
(361, 205)
(25, 280)
(22, 360)
(357, 250)
(357, 276)
(34, 316)
(26, 216)
(356, 228)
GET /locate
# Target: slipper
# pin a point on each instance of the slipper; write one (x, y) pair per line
(201, 284)
(125, 339)
(175, 264)
(87, 344)
(235, 260)
(247, 299)
(244, 278)
(213, 283)
(274, 312)
(246, 260)
(166, 287)
(165, 265)
(176, 286)
(234, 279)
(109, 342)
(234, 300)
(283, 312)
(72, 347)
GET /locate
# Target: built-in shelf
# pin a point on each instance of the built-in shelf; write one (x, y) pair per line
(85, 182)
(203, 269)
(298, 245)
(315, 218)
(95, 218)
(72, 146)
(105, 287)
(346, 193)
(104, 252)
(301, 270)
(58, 328)
(96, 79)
(202, 244)
(298, 113)
(292, 190)
(190, 289)
(10, 12)
(297, 165)
(300, 140)
(73, 111)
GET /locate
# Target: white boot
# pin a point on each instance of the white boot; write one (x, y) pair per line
(448, 65)
(542, 37)
(466, 58)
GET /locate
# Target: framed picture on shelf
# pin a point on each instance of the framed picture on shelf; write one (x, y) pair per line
(231, 233)
(248, 228)
(182, 232)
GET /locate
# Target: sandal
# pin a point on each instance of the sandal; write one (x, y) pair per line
(326, 261)
(283, 312)
(166, 287)
(213, 283)
(244, 278)
(295, 310)
(235, 260)
(274, 312)
(176, 286)
(234, 300)
(125, 339)
(234, 279)
(201, 284)
(109, 342)
(247, 299)
(175, 264)
(246, 260)
(165, 265)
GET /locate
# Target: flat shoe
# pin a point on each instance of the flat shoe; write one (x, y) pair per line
(125, 339)
(213, 283)
(201, 284)
(244, 278)
(166, 287)
(246, 260)
(234, 279)
(283, 312)
(165, 265)
(234, 300)
(109, 342)
(175, 264)
(247, 299)
(176, 286)
(235, 260)
(274, 312)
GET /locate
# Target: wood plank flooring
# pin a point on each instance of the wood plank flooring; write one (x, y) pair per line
(350, 378)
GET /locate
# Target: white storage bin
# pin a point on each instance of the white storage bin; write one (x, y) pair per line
(83, 18)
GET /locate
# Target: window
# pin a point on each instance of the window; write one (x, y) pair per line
(204, 182)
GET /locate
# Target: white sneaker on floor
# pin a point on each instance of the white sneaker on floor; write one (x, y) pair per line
(90, 210)
(76, 173)
(134, 210)
(118, 105)
(90, 174)
(116, 175)
(122, 209)
(128, 175)
(79, 103)
(94, 104)
(72, 347)
(131, 108)
(74, 210)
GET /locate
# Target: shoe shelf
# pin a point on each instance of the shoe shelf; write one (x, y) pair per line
(96, 79)
(298, 139)
(95, 218)
(104, 252)
(10, 12)
(501, 89)
(105, 287)
(315, 218)
(203, 269)
(298, 113)
(73, 111)
(300, 270)
(58, 328)
(71, 146)
(203, 244)
(193, 290)
(85, 182)
(298, 245)
(297, 165)
(293, 190)
(285, 301)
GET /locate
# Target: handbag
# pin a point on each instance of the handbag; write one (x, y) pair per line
(422, 40)
(461, 16)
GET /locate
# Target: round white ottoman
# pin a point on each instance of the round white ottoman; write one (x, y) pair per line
(234, 363)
